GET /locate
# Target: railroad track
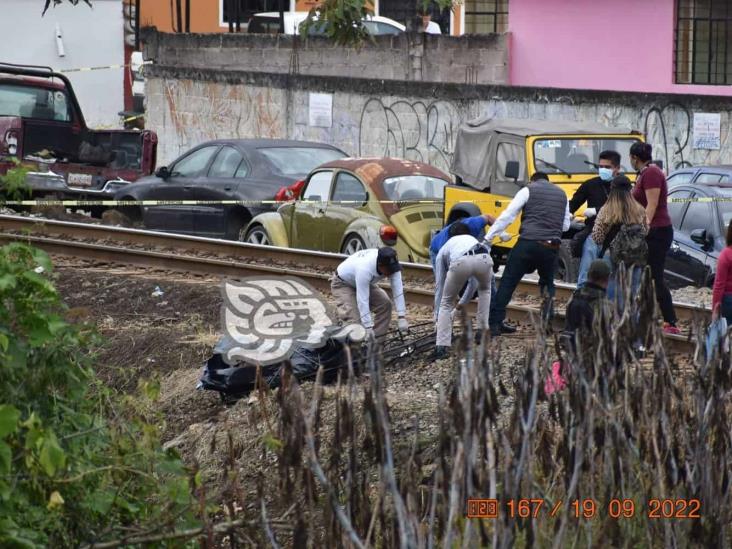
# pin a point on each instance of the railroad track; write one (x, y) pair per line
(178, 261)
(414, 272)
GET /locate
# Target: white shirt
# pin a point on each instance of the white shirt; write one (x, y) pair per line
(359, 271)
(433, 28)
(513, 209)
(454, 248)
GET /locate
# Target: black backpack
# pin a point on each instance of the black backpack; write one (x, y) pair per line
(627, 244)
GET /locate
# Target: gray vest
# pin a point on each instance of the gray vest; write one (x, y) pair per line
(543, 215)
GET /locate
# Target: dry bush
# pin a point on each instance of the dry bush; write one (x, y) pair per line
(624, 429)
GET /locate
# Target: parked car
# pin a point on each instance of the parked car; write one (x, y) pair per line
(700, 228)
(701, 175)
(232, 169)
(269, 23)
(351, 204)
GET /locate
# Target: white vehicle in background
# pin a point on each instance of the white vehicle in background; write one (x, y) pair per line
(269, 23)
(138, 80)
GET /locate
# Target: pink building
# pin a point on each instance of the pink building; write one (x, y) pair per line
(663, 46)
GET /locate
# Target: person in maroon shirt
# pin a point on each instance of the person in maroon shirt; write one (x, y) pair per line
(722, 294)
(651, 192)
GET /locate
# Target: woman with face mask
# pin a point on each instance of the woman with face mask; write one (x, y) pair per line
(651, 192)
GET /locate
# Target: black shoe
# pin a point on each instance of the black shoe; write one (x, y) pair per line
(507, 328)
(441, 351)
(496, 330)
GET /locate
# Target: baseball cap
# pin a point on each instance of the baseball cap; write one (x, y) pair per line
(387, 257)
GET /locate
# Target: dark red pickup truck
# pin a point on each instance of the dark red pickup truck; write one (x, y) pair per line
(41, 124)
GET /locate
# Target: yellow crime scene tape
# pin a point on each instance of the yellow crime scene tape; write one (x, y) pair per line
(113, 203)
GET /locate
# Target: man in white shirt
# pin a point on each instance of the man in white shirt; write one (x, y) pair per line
(354, 288)
(463, 257)
(545, 216)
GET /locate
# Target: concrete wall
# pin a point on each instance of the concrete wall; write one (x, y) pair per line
(477, 58)
(589, 44)
(91, 36)
(417, 120)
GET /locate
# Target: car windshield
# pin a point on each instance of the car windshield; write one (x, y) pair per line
(299, 161)
(570, 156)
(33, 102)
(414, 187)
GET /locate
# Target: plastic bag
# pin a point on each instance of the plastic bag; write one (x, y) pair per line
(716, 334)
(555, 381)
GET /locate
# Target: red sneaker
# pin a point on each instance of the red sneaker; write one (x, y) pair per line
(670, 329)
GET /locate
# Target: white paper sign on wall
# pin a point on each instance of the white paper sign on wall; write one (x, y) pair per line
(321, 110)
(707, 130)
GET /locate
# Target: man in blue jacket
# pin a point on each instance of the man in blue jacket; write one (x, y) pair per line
(476, 225)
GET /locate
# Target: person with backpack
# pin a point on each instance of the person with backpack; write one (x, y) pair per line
(620, 232)
(651, 192)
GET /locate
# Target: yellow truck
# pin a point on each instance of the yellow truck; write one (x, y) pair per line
(493, 159)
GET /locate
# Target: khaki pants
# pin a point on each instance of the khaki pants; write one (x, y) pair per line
(479, 266)
(379, 303)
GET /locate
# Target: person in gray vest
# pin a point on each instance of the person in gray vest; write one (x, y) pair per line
(545, 217)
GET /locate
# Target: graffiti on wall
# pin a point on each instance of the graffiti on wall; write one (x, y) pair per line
(424, 132)
(668, 130)
(202, 111)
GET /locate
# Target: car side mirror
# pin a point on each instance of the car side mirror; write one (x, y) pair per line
(512, 170)
(162, 172)
(701, 237)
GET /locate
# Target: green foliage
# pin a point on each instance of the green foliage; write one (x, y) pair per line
(74, 462)
(13, 185)
(341, 20)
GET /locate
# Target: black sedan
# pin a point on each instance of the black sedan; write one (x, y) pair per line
(700, 228)
(231, 169)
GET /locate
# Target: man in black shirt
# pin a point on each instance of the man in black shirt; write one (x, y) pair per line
(594, 191)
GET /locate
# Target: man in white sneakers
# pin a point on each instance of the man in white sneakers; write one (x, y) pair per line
(462, 258)
(354, 288)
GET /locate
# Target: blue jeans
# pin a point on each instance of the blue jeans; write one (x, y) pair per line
(491, 313)
(590, 251)
(613, 282)
(526, 257)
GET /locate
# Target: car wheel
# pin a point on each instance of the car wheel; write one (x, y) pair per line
(353, 244)
(258, 235)
(567, 266)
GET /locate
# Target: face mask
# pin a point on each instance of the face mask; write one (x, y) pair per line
(606, 174)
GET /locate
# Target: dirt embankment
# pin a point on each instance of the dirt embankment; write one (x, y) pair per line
(169, 336)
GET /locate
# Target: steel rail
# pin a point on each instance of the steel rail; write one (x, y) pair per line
(412, 272)
(221, 268)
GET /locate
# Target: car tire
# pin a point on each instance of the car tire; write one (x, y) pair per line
(567, 266)
(353, 244)
(257, 235)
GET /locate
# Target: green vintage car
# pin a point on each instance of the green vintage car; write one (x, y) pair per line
(355, 203)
